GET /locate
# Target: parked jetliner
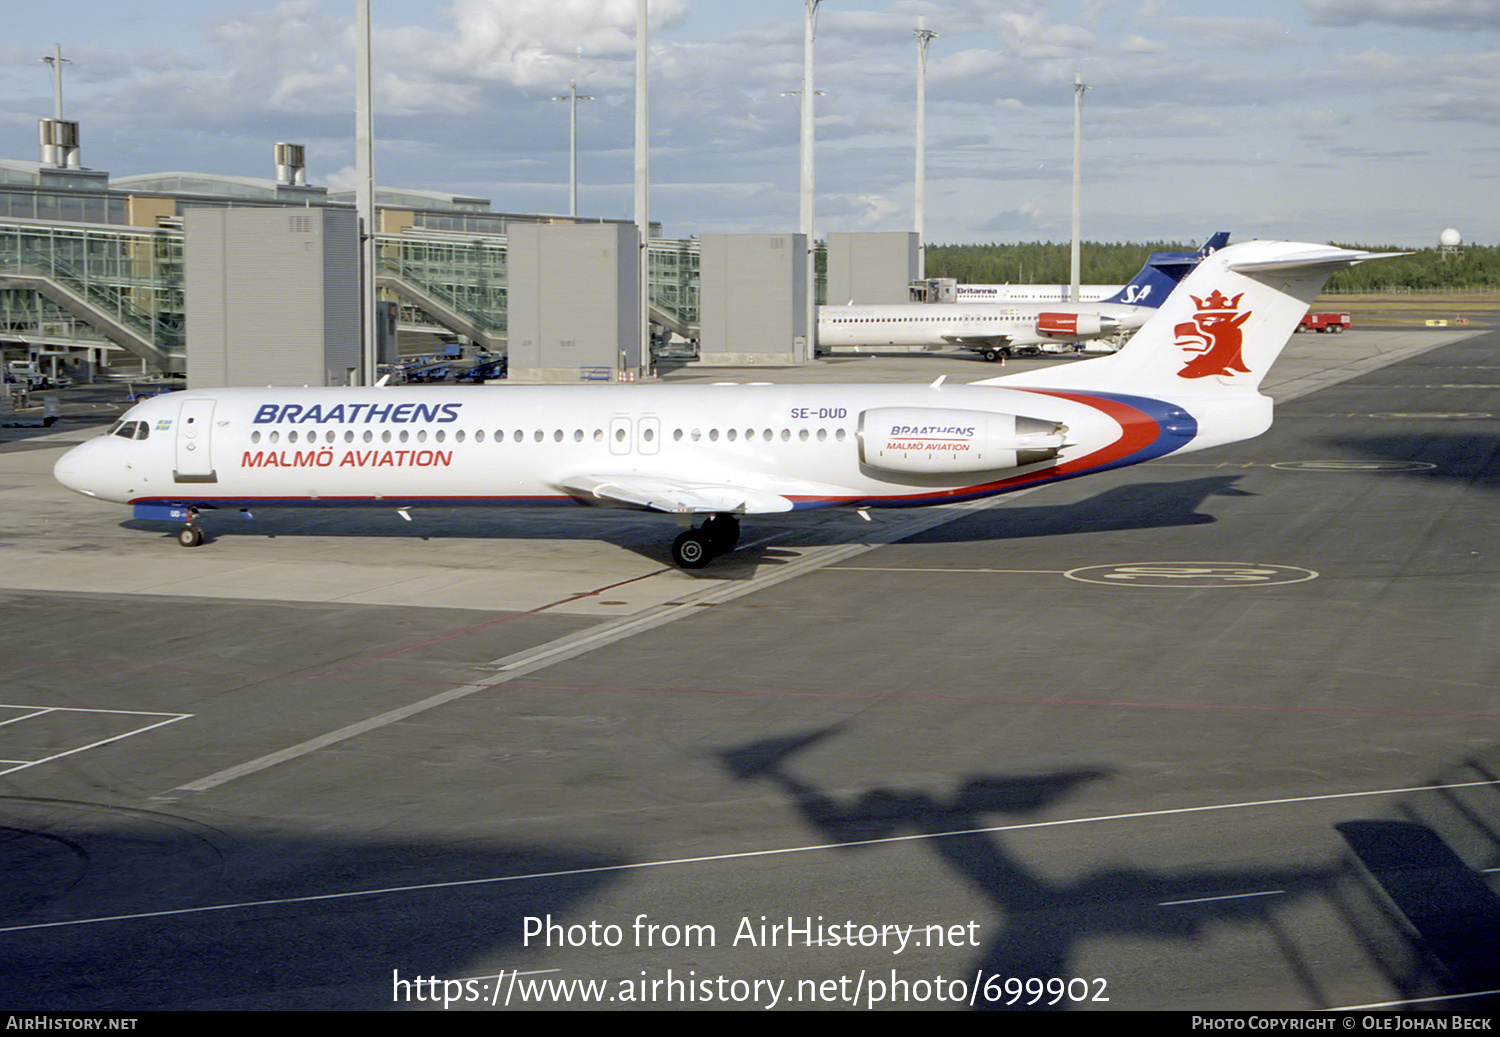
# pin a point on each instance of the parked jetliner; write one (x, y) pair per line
(1001, 329)
(1009, 293)
(1187, 381)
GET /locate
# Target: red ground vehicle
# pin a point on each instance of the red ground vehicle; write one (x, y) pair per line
(1320, 322)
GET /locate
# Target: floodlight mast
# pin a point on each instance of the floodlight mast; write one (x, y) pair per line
(573, 97)
(54, 62)
(364, 191)
(919, 205)
(1075, 272)
(642, 193)
(810, 339)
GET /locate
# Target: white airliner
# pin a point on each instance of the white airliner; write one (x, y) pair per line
(1007, 293)
(999, 329)
(1187, 381)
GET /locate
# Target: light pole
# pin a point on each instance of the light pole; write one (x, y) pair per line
(919, 206)
(573, 97)
(364, 188)
(55, 61)
(1078, 89)
(811, 338)
(642, 181)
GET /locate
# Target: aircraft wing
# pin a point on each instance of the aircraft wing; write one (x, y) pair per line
(678, 496)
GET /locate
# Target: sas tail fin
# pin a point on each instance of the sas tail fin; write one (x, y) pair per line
(1220, 330)
(1163, 272)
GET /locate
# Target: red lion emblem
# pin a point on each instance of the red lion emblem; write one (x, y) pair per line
(1214, 334)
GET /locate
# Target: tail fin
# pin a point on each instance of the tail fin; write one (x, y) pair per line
(1163, 272)
(1223, 326)
(1213, 245)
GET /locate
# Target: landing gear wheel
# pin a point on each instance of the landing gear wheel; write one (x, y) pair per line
(723, 532)
(190, 535)
(691, 549)
(992, 355)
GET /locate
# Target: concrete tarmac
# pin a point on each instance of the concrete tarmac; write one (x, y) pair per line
(1212, 733)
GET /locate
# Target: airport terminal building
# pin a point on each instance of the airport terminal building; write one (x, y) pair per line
(223, 278)
(94, 270)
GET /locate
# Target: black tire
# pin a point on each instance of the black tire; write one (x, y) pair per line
(691, 550)
(723, 532)
(992, 355)
(190, 536)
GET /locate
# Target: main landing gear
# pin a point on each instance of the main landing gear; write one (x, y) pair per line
(694, 548)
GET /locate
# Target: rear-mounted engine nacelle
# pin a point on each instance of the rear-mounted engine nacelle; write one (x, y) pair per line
(935, 440)
(1076, 325)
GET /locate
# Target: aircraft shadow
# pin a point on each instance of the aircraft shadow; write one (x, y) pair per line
(765, 540)
(1041, 923)
(1152, 505)
(1427, 920)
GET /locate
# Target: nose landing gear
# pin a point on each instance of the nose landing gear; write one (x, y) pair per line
(191, 534)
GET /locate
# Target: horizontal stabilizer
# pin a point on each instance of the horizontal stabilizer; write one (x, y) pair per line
(1330, 258)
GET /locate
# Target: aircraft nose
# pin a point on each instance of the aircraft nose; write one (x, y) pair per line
(75, 471)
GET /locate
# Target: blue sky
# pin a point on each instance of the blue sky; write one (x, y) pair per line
(1369, 121)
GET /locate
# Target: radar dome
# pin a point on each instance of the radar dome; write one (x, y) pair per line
(1450, 238)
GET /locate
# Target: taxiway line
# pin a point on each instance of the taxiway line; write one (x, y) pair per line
(753, 854)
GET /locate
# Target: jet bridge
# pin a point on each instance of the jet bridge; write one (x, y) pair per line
(114, 324)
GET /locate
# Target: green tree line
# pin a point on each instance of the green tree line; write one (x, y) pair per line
(1473, 266)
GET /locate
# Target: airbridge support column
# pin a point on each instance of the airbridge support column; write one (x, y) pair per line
(752, 305)
(572, 301)
(872, 269)
(272, 296)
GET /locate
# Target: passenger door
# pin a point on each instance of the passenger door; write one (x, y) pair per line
(194, 442)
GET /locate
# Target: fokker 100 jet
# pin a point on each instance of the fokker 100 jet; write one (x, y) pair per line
(1187, 381)
(999, 329)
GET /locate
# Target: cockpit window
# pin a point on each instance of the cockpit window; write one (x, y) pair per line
(130, 429)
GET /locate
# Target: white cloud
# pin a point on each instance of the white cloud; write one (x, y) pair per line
(1240, 33)
(1440, 15)
(1322, 125)
(877, 210)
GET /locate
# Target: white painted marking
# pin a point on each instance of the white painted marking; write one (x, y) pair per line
(1191, 574)
(754, 854)
(1228, 896)
(39, 711)
(20, 765)
(1353, 466)
(1439, 999)
(897, 569)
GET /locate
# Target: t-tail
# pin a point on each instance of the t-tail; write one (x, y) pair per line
(1163, 272)
(1210, 345)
